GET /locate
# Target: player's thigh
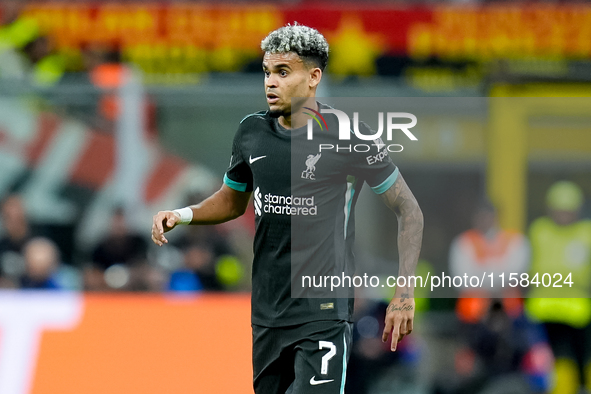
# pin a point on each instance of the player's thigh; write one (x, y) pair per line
(321, 360)
(272, 361)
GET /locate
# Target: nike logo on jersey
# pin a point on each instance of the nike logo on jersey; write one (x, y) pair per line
(251, 160)
(315, 382)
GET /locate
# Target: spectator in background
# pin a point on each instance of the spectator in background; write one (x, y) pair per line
(198, 272)
(24, 52)
(16, 31)
(487, 249)
(121, 257)
(212, 236)
(561, 246)
(46, 66)
(108, 74)
(17, 232)
(93, 279)
(209, 261)
(495, 336)
(502, 354)
(42, 261)
(120, 246)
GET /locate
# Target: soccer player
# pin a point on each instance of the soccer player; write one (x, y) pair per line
(301, 344)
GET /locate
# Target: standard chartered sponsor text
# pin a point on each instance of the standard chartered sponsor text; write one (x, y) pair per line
(487, 280)
(289, 205)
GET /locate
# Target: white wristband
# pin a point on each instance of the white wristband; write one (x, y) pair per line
(186, 215)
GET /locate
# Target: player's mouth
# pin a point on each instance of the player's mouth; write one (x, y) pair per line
(272, 98)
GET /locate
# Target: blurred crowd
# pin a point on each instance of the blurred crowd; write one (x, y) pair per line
(34, 256)
(501, 339)
(27, 54)
(122, 260)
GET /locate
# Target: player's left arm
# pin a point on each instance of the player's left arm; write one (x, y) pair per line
(400, 311)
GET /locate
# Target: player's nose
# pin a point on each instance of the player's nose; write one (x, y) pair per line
(271, 81)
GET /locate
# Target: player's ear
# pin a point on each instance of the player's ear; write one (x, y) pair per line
(315, 77)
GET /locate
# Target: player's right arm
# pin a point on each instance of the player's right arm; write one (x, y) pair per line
(224, 205)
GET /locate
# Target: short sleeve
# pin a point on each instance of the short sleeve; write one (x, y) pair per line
(375, 166)
(238, 176)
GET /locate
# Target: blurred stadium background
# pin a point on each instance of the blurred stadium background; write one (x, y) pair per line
(111, 111)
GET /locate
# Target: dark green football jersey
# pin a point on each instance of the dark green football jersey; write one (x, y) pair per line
(304, 195)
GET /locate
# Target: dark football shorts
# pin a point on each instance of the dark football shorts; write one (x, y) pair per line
(306, 358)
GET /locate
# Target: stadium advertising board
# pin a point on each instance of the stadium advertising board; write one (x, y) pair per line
(74, 343)
(182, 38)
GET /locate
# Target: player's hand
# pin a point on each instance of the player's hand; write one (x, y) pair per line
(163, 222)
(399, 319)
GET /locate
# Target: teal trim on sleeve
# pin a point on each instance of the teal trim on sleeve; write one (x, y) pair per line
(241, 187)
(382, 187)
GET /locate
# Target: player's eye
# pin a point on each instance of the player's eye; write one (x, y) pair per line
(283, 73)
(267, 73)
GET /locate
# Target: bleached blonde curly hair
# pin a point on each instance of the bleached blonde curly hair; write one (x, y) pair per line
(307, 43)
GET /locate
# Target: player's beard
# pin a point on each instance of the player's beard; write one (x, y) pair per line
(276, 113)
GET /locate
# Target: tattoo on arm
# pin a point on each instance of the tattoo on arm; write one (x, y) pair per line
(403, 297)
(400, 199)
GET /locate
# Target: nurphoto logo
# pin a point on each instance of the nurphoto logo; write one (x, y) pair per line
(345, 130)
